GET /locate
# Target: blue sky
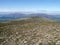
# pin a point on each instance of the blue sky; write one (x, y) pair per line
(29, 5)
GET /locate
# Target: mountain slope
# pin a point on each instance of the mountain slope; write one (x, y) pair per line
(32, 31)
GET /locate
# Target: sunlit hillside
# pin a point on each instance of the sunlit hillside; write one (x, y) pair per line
(31, 31)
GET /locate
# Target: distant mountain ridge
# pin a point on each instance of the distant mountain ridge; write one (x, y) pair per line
(13, 16)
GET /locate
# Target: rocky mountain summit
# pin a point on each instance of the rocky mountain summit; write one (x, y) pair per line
(34, 31)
